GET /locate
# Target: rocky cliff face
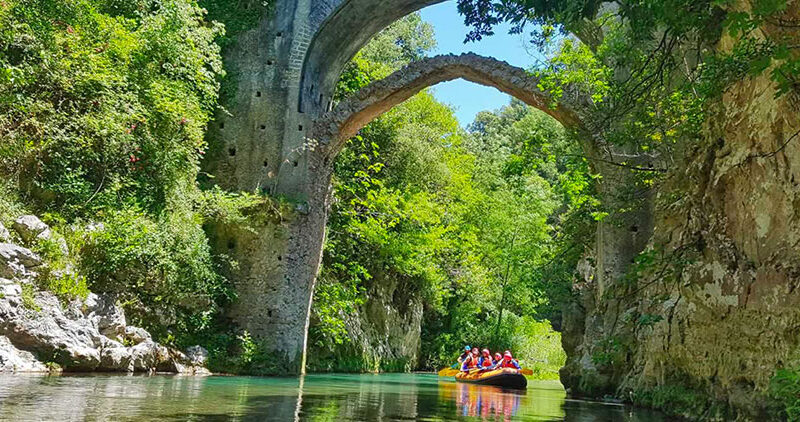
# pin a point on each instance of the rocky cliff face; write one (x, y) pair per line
(40, 332)
(715, 310)
(384, 334)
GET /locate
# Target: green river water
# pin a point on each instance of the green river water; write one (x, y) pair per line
(387, 397)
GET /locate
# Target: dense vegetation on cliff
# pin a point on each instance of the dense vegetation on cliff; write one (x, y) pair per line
(103, 109)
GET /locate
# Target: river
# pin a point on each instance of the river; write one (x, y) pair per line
(367, 397)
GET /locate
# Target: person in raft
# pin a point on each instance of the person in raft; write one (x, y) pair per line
(485, 361)
(471, 361)
(464, 355)
(508, 361)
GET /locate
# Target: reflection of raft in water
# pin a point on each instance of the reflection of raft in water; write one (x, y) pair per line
(504, 377)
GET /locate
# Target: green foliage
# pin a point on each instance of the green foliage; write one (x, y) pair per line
(402, 42)
(100, 109)
(576, 67)
(28, 297)
(517, 145)
(243, 354)
(611, 351)
(66, 286)
(237, 16)
(10, 204)
(160, 268)
(103, 110)
(461, 220)
(784, 388)
(540, 346)
(682, 401)
(651, 68)
(648, 320)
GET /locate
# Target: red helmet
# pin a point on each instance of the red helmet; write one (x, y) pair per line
(474, 350)
(497, 356)
(507, 354)
(486, 352)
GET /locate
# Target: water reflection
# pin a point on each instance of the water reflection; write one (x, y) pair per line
(482, 400)
(386, 397)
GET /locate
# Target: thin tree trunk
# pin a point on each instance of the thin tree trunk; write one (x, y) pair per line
(503, 288)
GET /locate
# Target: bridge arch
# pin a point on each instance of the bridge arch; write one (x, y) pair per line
(288, 134)
(336, 126)
(342, 33)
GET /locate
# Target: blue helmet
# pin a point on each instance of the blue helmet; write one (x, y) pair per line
(467, 348)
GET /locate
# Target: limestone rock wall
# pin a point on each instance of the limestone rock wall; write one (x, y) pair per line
(39, 332)
(384, 332)
(718, 311)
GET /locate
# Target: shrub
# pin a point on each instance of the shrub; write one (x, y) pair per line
(161, 269)
(67, 286)
(104, 103)
(28, 297)
(241, 353)
(784, 388)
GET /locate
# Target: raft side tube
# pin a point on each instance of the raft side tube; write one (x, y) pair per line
(504, 377)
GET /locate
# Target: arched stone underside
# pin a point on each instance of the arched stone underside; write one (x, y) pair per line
(354, 113)
(275, 137)
(345, 31)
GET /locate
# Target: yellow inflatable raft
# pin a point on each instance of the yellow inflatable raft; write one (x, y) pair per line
(503, 377)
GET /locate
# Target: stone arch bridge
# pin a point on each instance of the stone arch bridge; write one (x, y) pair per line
(281, 133)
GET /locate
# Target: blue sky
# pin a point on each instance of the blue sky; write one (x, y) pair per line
(467, 98)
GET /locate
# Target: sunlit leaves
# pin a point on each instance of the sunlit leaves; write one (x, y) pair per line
(575, 67)
(113, 107)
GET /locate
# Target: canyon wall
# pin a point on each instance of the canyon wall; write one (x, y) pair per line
(703, 326)
(383, 334)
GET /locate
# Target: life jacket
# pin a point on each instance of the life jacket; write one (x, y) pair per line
(509, 363)
(471, 361)
(486, 361)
